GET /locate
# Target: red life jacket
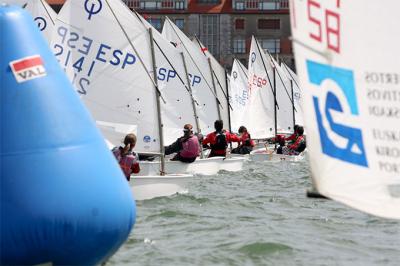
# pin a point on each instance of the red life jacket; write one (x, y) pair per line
(246, 140)
(219, 142)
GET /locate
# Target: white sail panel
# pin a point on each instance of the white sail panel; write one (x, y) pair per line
(239, 94)
(283, 97)
(102, 64)
(199, 70)
(43, 15)
(351, 101)
(259, 114)
(176, 109)
(296, 93)
(219, 80)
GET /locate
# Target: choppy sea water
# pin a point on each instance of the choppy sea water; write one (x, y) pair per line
(258, 216)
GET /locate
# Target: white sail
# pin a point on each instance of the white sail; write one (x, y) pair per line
(296, 93)
(176, 109)
(283, 97)
(41, 12)
(114, 80)
(219, 80)
(239, 94)
(351, 101)
(259, 115)
(199, 70)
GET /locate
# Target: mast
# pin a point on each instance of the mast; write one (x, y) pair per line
(279, 75)
(275, 105)
(158, 95)
(134, 49)
(47, 11)
(228, 103)
(215, 89)
(293, 109)
(196, 118)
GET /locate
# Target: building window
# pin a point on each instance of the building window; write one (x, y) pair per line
(180, 23)
(156, 23)
(208, 1)
(132, 4)
(239, 46)
(239, 24)
(272, 24)
(209, 33)
(150, 4)
(167, 4)
(180, 5)
(252, 4)
(239, 5)
(272, 45)
(269, 5)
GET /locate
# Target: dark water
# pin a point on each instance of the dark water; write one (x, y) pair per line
(259, 216)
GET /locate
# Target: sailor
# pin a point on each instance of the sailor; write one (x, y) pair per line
(127, 159)
(298, 146)
(246, 143)
(187, 147)
(281, 141)
(219, 140)
(292, 138)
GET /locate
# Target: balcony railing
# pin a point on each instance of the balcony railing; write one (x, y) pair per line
(260, 4)
(157, 4)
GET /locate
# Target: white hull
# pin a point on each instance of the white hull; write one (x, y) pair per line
(233, 164)
(262, 155)
(208, 166)
(152, 186)
(236, 155)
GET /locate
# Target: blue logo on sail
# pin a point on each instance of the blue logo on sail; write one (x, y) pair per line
(94, 8)
(338, 140)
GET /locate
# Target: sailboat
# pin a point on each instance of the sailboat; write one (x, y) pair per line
(220, 77)
(263, 114)
(284, 97)
(117, 80)
(260, 113)
(175, 84)
(206, 91)
(350, 100)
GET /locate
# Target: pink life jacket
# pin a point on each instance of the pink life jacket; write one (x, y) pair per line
(190, 148)
(125, 162)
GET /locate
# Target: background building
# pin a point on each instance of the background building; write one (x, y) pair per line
(224, 26)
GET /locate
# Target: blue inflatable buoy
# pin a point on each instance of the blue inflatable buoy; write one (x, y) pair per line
(64, 199)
